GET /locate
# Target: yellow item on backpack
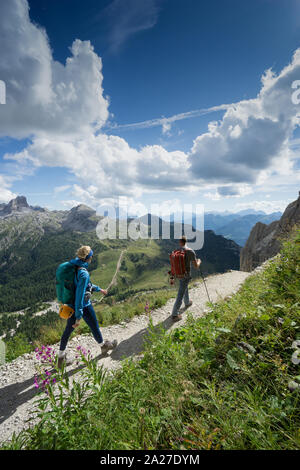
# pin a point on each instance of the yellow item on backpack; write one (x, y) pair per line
(66, 311)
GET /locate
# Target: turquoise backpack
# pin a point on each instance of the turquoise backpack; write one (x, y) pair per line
(65, 285)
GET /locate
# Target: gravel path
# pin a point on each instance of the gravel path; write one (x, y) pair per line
(17, 392)
(113, 281)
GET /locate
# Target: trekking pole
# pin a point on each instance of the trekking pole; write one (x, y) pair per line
(205, 285)
(113, 278)
(97, 302)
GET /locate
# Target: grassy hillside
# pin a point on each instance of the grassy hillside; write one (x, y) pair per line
(227, 381)
(106, 266)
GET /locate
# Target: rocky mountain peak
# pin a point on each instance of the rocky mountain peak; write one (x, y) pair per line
(19, 201)
(83, 210)
(81, 218)
(264, 240)
(291, 215)
(19, 204)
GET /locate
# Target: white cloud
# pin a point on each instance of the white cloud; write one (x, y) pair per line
(126, 18)
(43, 96)
(107, 165)
(159, 169)
(62, 189)
(166, 122)
(70, 203)
(5, 193)
(265, 206)
(253, 135)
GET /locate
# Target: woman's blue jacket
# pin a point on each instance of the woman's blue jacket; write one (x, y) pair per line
(82, 280)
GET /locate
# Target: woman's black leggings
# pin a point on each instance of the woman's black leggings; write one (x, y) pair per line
(90, 318)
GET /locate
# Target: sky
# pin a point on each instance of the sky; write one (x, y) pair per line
(150, 102)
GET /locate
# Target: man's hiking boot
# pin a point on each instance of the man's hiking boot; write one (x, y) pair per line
(189, 304)
(64, 361)
(176, 317)
(109, 346)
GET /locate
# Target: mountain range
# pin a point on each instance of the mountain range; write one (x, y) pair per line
(234, 226)
(34, 240)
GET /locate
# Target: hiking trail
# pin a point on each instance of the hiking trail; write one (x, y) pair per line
(113, 281)
(17, 391)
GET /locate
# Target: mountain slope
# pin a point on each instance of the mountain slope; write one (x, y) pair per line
(264, 240)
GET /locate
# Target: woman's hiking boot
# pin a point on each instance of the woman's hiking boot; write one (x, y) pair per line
(64, 361)
(109, 346)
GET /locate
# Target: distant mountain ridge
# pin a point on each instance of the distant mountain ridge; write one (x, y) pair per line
(239, 228)
(234, 226)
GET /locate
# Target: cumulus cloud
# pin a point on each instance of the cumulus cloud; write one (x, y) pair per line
(107, 166)
(157, 168)
(44, 96)
(252, 134)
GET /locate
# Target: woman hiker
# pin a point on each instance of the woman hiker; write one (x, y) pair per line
(83, 306)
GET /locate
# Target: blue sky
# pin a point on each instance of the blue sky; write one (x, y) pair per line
(62, 144)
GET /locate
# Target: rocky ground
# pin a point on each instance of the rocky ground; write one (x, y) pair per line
(17, 391)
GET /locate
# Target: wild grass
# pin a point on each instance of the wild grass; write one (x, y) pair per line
(229, 380)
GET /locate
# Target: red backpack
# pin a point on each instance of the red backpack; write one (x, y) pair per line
(177, 259)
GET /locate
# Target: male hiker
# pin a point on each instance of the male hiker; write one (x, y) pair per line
(77, 269)
(183, 291)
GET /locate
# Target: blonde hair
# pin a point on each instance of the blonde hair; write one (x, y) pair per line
(83, 251)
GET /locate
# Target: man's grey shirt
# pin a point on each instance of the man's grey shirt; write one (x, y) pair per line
(190, 256)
